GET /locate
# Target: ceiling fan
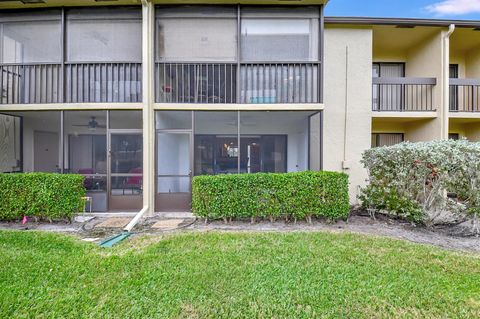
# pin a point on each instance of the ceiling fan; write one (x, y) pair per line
(92, 124)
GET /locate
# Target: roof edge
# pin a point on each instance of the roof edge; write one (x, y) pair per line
(402, 21)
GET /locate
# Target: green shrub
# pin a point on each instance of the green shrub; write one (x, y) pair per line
(271, 195)
(42, 195)
(410, 180)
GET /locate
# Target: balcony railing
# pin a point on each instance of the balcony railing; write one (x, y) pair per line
(257, 83)
(70, 83)
(103, 82)
(403, 94)
(31, 83)
(465, 95)
(280, 83)
(195, 83)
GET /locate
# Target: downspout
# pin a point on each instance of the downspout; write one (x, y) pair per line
(135, 219)
(146, 207)
(446, 81)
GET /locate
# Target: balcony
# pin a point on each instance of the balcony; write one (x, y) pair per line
(70, 83)
(245, 83)
(403, 94)
(464, 95)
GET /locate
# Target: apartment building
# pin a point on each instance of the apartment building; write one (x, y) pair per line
(140, 96)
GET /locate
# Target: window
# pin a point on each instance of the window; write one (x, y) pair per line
(177, 120)
(386, 139)
(280, 34)
(453, 72)
(268, 142)
(279, 40)
(86, 143)
(125, 120)
(454, 136)
(31, 140)
(196, 40)
(30, 37)
(196, 34)
(85, 149)
(216, 143)
(104, 35)
(275, 142)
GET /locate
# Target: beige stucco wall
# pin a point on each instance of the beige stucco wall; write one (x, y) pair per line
(389, 56)
(355, 126)
(469, 67)
(388, 127)
(468, 62)
(459, 59)
(458, 128)
(468, 130)
(426, 60)
(472, 132)
(415, 130)
(472, 62)
(422, 130)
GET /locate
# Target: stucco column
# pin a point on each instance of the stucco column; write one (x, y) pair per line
(446, 81)
(148, 24)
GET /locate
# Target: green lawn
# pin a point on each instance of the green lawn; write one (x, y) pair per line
(242, 275)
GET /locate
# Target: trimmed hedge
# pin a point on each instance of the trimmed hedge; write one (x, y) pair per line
(43, 195)
(271, 195)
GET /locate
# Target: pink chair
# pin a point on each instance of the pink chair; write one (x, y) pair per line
(135, 182)
(88, 182)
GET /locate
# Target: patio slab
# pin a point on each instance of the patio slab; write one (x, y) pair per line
(167, 224)
(114, 222)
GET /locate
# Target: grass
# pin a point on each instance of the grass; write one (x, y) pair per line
(241, 275)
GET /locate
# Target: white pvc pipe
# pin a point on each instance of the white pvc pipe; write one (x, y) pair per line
(135, 219)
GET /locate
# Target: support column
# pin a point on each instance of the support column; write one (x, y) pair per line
(148, 25)
(446, 82)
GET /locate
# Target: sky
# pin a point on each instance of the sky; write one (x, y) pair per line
(436, 9)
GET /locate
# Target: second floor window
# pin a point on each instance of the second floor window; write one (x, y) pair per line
(30, 38)
(200, 34)
(104, 35)
(279, 35)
